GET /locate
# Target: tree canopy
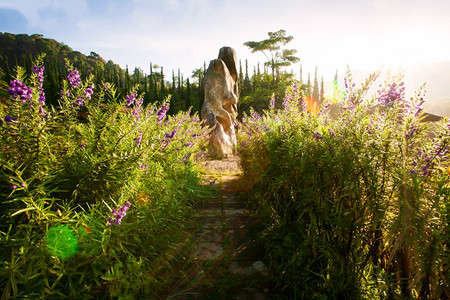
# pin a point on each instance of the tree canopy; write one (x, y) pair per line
(272, 50)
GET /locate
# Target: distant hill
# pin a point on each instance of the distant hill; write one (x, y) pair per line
(22, 49)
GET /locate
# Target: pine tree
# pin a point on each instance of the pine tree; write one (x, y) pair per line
(309, 85)
(247, 83)
(7, 70)
(315, 93)
(301, 73)
(188, 94)
(173, 92)
(322, 93)
(151, 85)
(163, 88)
(127, 79)
(241, 79)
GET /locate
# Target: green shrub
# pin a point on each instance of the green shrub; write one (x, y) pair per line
(95, 192)
(354, 206)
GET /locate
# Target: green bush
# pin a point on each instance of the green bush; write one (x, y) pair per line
(95, 192)
(356, 205)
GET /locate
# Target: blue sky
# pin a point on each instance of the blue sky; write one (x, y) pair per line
(329, 34)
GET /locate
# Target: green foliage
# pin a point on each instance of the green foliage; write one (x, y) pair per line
(276, 56)
(354, 206)
(66, 170)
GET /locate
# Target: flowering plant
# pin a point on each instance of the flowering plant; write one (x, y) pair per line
(358, 200)
(63, 167)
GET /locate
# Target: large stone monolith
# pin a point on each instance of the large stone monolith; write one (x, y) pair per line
(219, 109)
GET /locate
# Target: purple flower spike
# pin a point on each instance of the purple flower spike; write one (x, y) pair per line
(161, 114)
(272, 101)
(318, 136)
(130, 98)
(39, 71)
(80, 101)
(119, 215)
(10, 120)
(74, 78)
(89, 91)
(19, 90)
(138, 139)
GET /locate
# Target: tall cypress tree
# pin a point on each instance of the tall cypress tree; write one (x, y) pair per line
(247, 83)
(315, 93)
(240, 79)
(309, 85)
(301, 73)
(174, 94)
(7, 70)
(188, 94)
(322, 93)
(127, 79)
(163, 88)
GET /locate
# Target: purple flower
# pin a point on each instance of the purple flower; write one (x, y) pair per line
(19, 90)
(39, 72)
(138, 139)
(171, 134)
(80, 101)
(130, 98)
(10, 120)
(23, 184)
(13, 187)
(391, 94)
(256, 116)
(161, 114)
(42, 111)
(272, 101)
(185, 159)
(74, 78)
(324, 109)
(64, 93)
(83, 144)
(295, 88)
(411, 132)
(304, 106)
(89, 91)
(144, 166)
(318, 136)
(118, 215)
(331, 132)
(286, 101)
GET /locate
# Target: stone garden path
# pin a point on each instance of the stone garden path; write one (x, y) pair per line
(222, 242)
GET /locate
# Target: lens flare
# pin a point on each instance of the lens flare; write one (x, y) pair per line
(311, 105)
(61, 241)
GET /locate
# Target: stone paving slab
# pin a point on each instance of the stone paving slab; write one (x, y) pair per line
(206, 222)
(201, 213)
(207, 251)
(222, 233)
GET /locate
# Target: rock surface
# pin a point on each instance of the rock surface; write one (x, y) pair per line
(219, 109)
